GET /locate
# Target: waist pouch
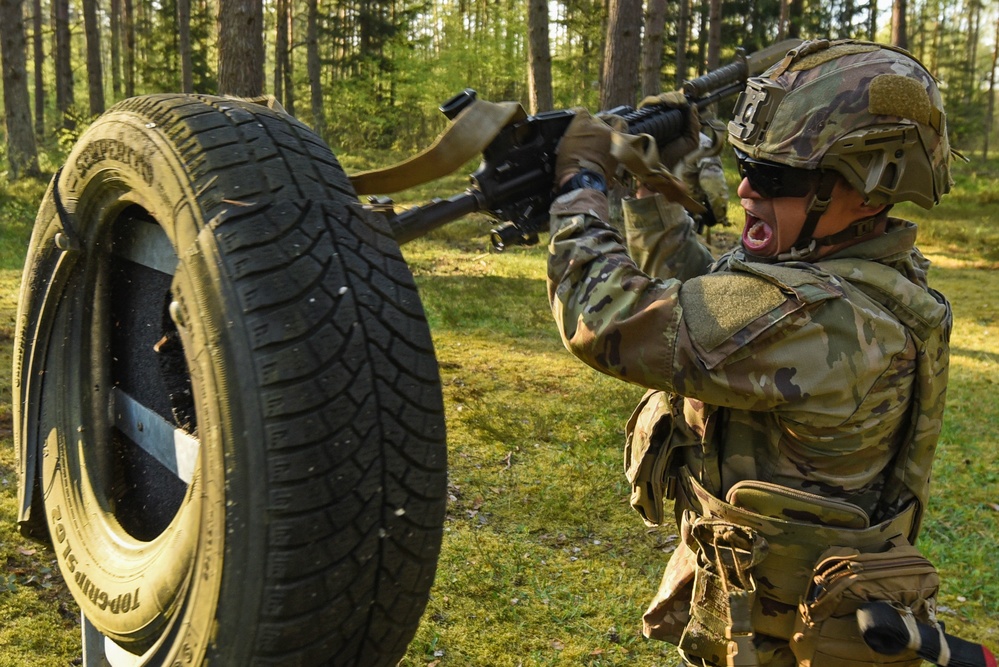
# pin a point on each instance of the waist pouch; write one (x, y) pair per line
(826, 633)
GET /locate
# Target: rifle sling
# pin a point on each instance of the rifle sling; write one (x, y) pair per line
(471, 131)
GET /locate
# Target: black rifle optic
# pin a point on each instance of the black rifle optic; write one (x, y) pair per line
(513, 183)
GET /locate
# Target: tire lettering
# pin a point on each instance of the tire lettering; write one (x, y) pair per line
(68, 557)
(60, 531)
(209, 523)
(122, 604)
(112, 149)
(186, 656)
(60, 536)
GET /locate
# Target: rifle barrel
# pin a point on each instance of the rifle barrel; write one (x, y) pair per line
(417, 221)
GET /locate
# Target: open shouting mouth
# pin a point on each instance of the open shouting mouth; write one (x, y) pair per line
(757, 234)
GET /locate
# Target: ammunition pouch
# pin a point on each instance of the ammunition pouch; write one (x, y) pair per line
(654, 437)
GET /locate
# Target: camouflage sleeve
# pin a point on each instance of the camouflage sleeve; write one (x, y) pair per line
(597, 293)
(661, 239)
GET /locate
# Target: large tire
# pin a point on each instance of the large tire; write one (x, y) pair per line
(227, 371)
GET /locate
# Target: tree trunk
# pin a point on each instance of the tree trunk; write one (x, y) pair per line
(898, 28)
(315, 69)
(784, 20)
(652, 48)
(21, 152)
(939, 26)
(95, 70)
(184, 36)
(539, 57)
(116, 49)
(241, 48)
(990, 114)
(128, 27)
(288, 66)
(682, 34)
(702, 39)
(872, 20)
(714, 34)
(796, 14)
(280, 48)
(63, 66)
(974, 14)
(39, 57)
(619, 83)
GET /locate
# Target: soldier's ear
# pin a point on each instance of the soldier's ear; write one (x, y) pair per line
(869, 210)
(858, 202)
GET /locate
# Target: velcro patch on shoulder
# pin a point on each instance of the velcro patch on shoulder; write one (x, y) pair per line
(716, 306)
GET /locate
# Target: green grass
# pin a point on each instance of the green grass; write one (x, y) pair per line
(18, 205)
(544, 562)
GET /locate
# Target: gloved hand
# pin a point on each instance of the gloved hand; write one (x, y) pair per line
(673, 152)
(586, 144)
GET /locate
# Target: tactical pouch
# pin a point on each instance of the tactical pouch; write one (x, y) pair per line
(794, 546)
(654, 434)
(826, 633)
(720, 629)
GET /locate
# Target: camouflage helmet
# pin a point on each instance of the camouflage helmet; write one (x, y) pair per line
(869, 112)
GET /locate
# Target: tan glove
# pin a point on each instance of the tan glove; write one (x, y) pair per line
(674, 151)
(586, 144)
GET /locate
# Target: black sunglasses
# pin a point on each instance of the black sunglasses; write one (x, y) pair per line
(772, 180)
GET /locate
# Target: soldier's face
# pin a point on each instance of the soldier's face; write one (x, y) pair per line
(773, 224)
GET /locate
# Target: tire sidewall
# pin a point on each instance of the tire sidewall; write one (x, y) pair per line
(165, 590)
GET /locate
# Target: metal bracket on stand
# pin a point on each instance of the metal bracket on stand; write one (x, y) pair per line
(99, 651)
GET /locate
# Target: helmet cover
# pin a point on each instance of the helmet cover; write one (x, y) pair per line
(870, 112)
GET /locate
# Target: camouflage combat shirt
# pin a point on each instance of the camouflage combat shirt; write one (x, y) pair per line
(798, 376)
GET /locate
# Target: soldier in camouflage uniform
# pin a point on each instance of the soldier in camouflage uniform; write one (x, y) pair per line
(797, 383)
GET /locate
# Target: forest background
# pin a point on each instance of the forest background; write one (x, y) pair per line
(370, 74)
(543, 562)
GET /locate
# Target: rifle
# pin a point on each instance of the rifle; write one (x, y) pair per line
(513, 183)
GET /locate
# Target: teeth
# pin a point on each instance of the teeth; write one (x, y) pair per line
(757, 235)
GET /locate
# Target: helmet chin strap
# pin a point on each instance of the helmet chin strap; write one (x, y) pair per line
(856, 229)
(806, 245)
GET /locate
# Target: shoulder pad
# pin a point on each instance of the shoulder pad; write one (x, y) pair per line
(718, 305)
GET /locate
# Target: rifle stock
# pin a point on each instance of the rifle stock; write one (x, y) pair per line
(513, 183)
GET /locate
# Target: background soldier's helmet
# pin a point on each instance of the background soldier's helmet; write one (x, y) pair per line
(870, 112)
